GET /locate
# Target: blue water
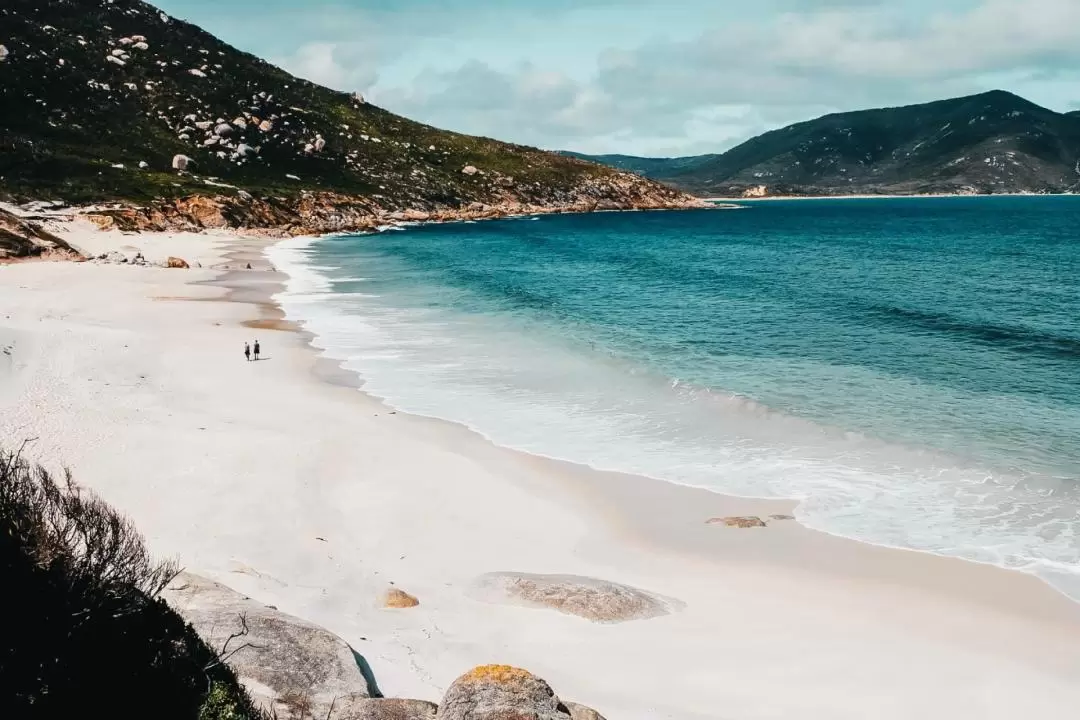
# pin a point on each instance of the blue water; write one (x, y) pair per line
(909, 369)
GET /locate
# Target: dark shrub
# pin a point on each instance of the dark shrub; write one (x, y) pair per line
(82, 632)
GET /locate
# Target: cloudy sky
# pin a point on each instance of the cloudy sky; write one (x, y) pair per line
(655, 77)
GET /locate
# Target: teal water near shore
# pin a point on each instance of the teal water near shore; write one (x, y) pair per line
(908, 368)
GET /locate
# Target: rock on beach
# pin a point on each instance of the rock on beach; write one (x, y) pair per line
(599, 601)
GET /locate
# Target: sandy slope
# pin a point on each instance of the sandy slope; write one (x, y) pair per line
(282, 481)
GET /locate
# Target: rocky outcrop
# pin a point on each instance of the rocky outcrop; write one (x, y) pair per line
(283, 661)
(385, 709)
(177, 263)
(21, 238)
(501, 692)
(596, 600)
(316, 213)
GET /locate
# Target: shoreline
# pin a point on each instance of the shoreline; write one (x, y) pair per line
(603, 484)
(281, 480)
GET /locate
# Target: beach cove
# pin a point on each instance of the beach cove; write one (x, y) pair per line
(282, 480)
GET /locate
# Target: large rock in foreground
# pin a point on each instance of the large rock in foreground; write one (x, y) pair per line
(501, 692)
(589, 598)
(297, 668)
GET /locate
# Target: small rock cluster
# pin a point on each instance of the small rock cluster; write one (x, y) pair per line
(115, 257)
(120, 56)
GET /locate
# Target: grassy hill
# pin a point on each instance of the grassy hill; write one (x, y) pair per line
(995, 142)
(100, 96)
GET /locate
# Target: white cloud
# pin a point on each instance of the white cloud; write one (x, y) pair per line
(733, 79)
(342, 66)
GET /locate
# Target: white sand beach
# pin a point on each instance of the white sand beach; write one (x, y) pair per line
(284, 481)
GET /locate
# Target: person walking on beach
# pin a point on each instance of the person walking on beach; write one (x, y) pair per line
(256, 349)
(247, 352)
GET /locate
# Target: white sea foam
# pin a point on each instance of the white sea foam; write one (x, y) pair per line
(542, 394)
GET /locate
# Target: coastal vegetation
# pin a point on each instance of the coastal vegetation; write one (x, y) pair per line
(114, 100)
(85, 628)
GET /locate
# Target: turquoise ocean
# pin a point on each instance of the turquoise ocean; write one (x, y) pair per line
(909, 369)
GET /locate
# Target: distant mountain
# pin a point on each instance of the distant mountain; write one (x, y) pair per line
(116, 100)
(656, 168)
(995, 142)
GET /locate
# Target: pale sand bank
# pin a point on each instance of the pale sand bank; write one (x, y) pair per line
(278, 478)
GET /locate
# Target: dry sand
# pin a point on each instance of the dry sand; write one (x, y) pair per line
(282, 480)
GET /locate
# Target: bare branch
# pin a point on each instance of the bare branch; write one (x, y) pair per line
(242, 632)
(225, 654)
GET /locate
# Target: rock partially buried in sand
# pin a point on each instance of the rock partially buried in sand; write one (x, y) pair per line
(398, 599)
(580, 712)
(596, 600)
(748, 521)
(384, 709)
(501, 692)
(781, 517)
(280, 657)
(175, 262)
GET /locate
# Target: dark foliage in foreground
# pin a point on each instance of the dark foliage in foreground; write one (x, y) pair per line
(83, 631)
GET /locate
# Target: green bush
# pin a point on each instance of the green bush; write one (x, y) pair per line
(224, 703)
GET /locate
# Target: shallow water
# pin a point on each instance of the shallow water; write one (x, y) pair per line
(908, 368)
